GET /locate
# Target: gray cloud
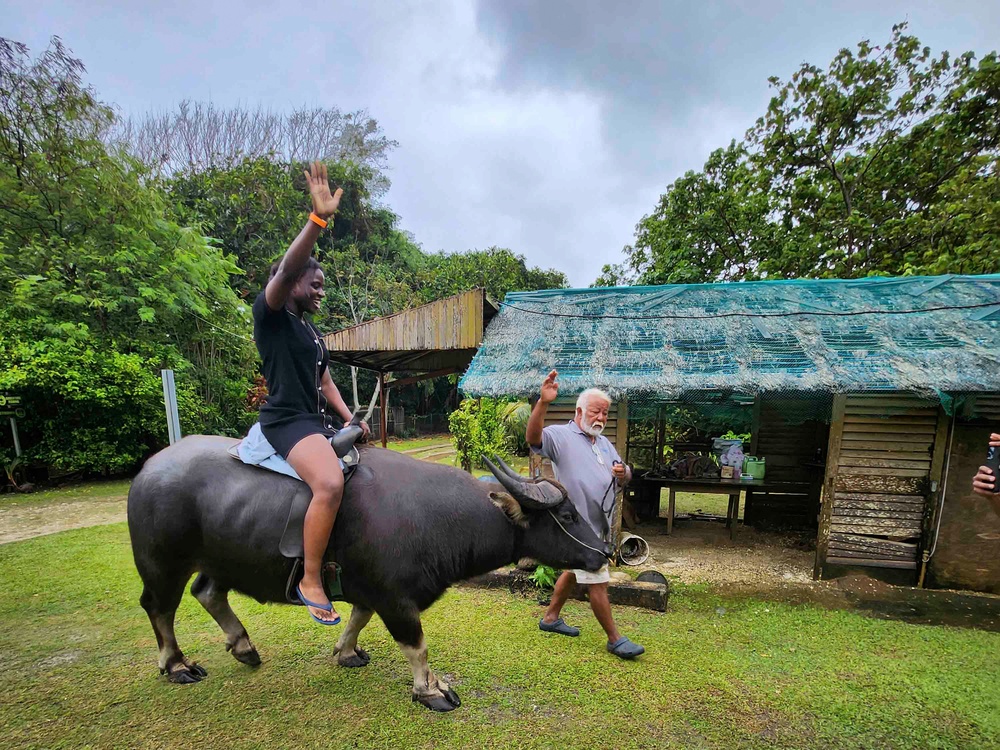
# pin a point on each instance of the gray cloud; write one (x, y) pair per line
(549, 128)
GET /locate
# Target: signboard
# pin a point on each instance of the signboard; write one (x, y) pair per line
(10, 406)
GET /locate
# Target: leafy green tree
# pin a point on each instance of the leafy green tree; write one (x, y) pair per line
(98, 288)
(252, 210)
(496, 269)
(884, 163)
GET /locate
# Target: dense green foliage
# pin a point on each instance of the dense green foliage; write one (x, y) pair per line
(478, 430)
(487, 427)
(497, 270)
(99, 289)
(884, 163)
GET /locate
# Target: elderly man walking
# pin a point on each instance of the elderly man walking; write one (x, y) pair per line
(588, 466)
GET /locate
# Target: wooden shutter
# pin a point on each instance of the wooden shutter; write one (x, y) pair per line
(883, 453)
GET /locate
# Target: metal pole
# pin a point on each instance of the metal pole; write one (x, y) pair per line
(17, 441)
(170, 402)
(383, 417)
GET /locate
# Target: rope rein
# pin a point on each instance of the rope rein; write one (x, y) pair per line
(582, 544)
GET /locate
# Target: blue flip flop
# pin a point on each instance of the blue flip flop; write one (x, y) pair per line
(326, 608)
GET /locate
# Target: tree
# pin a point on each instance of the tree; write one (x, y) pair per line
(98, 288)
(496, 269)
(885, 163)
(200, 137)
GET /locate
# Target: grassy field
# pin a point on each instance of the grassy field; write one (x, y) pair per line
(79, 671)
(418, 443)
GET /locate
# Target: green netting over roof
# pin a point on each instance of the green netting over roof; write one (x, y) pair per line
(703, 341)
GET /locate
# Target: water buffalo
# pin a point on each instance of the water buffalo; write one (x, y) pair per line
(406, 531)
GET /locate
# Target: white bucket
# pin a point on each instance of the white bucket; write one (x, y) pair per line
(633, 550)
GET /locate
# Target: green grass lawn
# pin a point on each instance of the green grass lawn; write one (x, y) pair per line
(80, 671)
(421, 442)
(689, 502)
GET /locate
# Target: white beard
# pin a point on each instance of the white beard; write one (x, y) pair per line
(592, 428)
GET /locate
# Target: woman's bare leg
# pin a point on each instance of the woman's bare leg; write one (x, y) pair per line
(314, 460)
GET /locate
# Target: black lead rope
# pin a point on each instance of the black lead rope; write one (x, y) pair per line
(608, 510)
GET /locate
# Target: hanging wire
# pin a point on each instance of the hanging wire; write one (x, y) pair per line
(787, 314)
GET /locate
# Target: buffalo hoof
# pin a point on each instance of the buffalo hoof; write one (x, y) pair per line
(186, 674)
(359, 659)
(250, 658)
(441, 703)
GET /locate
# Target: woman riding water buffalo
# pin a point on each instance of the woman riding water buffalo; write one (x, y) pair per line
(302, 401)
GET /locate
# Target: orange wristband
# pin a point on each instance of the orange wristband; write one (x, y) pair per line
(314, 218)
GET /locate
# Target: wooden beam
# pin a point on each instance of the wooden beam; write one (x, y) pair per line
(850, 561)
(932, 509)
(832, 464)
(383, 417)
(425, 376)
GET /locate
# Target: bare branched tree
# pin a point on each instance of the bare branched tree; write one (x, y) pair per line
(198, 136)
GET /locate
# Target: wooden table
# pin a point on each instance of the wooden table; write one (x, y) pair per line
(731, 487)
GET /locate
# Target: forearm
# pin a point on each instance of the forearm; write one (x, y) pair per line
(300, 250)
(533, 433)
(336, 401)
(995, 501)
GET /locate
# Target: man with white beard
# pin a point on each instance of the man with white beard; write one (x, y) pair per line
(589, 467)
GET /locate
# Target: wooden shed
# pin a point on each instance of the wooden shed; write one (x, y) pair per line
(871, 400)
(429, 341)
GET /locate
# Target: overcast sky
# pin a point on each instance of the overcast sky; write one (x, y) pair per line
(547, 127)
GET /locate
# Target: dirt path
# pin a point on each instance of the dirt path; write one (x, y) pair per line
(29, 520)
(700, 551)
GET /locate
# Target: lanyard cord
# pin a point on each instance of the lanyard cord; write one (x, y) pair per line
(604, 497)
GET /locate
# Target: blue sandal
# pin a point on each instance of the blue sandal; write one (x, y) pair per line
(559, 626)
(625, 649)
(325, 608)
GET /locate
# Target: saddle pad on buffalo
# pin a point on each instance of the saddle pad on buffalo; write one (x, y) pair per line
(255, 450)
(291, 539)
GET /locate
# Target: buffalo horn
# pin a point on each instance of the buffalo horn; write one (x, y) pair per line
(536, 494)
(507, 469)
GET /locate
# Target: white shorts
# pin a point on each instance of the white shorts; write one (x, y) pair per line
(586, 577)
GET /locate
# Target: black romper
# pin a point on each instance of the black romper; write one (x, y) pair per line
(295, 359)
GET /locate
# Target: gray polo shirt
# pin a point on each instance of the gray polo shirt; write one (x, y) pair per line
(584, 473)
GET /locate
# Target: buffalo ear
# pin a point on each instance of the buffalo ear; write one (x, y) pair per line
(510, 507)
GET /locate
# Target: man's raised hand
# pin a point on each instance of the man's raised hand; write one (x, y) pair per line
(550, 388)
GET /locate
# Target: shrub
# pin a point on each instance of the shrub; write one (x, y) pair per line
(478, 430)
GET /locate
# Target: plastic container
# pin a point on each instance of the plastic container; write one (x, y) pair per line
(720, 446)
(754, 467)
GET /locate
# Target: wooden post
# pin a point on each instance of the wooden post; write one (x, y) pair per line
(939, 459)
(832, 468)
(383, 417)
(754, 442)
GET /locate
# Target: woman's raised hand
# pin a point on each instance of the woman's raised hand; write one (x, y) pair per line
(324, 203)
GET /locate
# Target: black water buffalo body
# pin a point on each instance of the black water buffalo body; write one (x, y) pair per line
(406, 531)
